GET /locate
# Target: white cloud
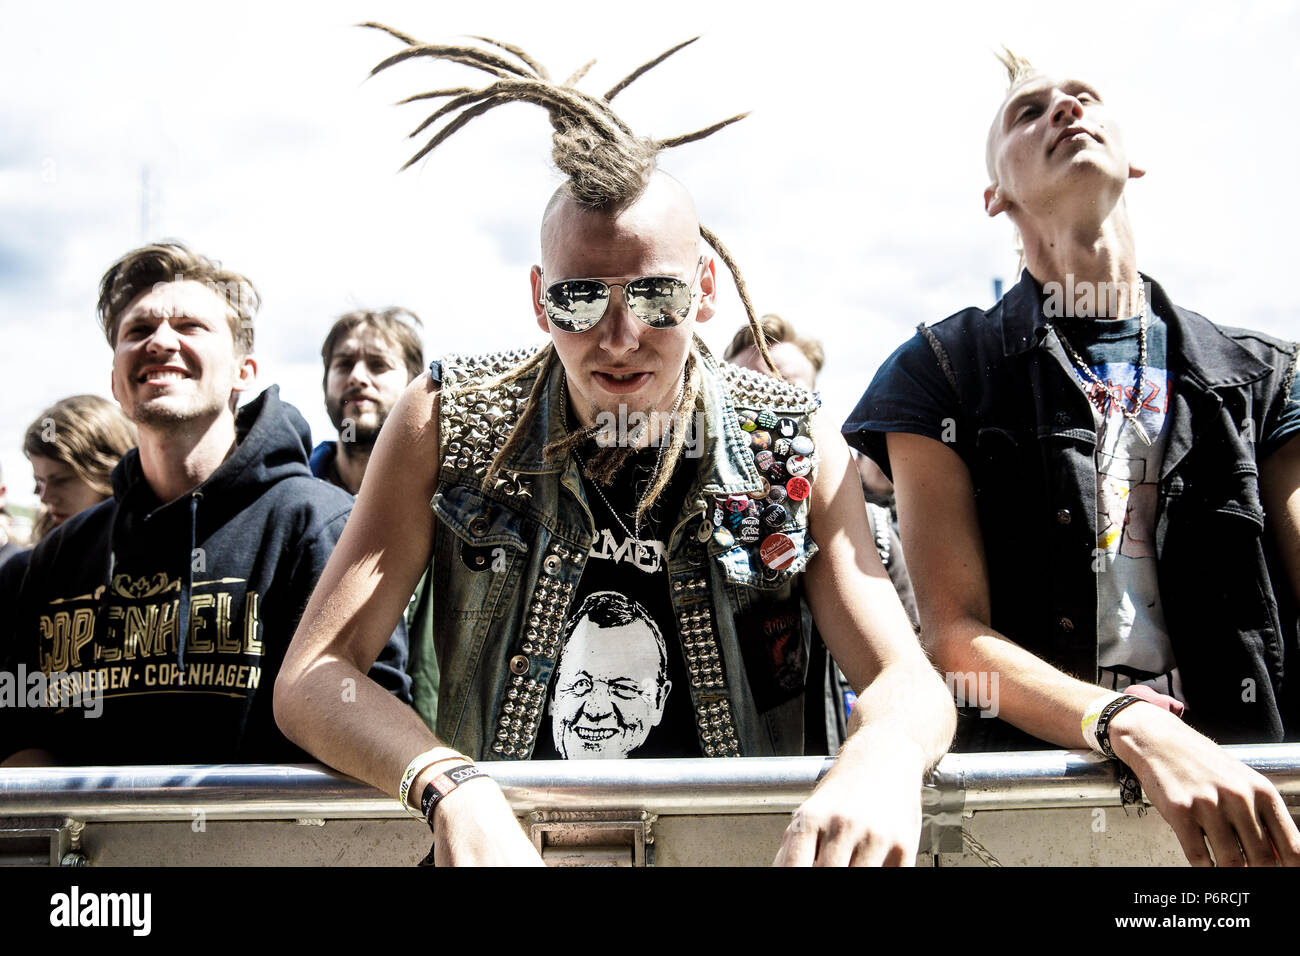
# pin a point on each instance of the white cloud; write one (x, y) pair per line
(851, 196)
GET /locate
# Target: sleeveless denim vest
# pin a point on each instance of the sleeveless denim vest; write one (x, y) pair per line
(507, 559)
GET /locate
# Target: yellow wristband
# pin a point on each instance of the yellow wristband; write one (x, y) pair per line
(1088, 725)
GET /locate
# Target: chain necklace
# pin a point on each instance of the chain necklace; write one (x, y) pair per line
(636, 517)
(1130, 415)
(659, 460)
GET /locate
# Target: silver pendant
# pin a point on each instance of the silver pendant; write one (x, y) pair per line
(1141, 432)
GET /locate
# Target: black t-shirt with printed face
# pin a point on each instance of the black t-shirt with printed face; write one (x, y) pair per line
(620, 687)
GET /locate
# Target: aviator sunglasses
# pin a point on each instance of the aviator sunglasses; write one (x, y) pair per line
(661, 302)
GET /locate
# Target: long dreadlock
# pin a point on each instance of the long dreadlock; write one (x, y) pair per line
(607, 167)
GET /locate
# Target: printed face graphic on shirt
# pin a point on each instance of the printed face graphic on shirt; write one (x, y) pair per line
(1127, 467)
(611, 685)
(1126, 500)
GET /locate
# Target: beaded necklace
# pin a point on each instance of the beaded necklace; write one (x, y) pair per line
(1130, 415)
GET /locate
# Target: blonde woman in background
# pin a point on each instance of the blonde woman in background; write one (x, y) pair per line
(73, 446)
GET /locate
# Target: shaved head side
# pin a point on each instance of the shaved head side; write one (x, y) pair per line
(564, 195)
(664, 212)
(663, 215)
(1019, 70)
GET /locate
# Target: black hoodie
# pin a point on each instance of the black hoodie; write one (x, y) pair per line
(229, 565)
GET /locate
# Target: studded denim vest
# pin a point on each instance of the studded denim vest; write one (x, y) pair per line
(507, 560)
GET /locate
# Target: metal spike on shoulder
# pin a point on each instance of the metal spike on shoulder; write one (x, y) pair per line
(479, 410)
(750, 389)
(465, 369)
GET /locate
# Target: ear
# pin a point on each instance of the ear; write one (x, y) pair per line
(661, 698)
(708, 291)
(1136, 172)
(994, 202)
(112, 386)
(539, 310)
(246, 374)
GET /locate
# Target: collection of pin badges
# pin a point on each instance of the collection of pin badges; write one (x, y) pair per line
(784, 459)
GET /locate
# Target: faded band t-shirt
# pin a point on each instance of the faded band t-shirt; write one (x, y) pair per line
(1133, 642)
(620, 687)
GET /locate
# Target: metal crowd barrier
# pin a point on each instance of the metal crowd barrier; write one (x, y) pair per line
(980, 809)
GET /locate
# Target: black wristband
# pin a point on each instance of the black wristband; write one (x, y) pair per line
(1130, 789)
(1105, 717)
(443, 784)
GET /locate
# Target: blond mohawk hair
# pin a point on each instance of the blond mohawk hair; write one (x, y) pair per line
(1018, 68)
(607, 166)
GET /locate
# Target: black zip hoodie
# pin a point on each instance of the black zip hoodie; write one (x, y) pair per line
(177, 616)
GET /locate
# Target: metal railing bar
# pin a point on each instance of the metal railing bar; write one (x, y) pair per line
(1007, 781)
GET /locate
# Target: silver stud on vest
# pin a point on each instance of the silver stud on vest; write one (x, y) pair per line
(521, 711)
(713, 721)
(476, 421)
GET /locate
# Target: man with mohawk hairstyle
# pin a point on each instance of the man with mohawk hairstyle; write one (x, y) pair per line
(620, 534)
(1099, 494)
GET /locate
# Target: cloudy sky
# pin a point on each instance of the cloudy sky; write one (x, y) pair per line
(851, 196)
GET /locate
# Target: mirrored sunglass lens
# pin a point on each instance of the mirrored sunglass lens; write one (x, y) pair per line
(576, 306)
(660, 301)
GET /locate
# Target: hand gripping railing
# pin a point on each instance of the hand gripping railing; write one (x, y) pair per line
(962, 782)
